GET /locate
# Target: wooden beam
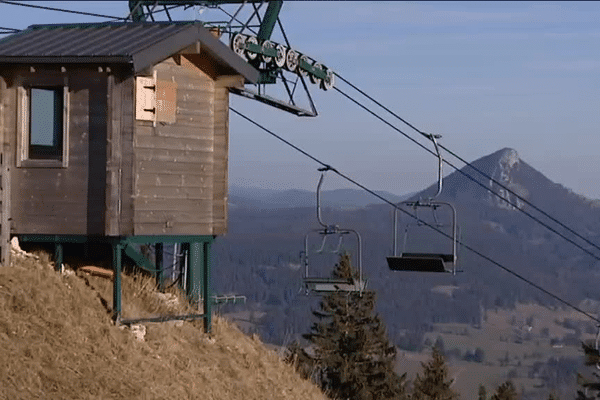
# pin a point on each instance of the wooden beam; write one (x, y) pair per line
(97, 271)
(228, 81)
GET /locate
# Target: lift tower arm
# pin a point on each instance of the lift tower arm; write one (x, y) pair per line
(250, 38)
(269, 20)
(266, 26)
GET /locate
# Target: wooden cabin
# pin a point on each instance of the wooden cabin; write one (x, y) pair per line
(116, 130)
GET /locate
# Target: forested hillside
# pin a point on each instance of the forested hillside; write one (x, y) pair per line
(259, 257)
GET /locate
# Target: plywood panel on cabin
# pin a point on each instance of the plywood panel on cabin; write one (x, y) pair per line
(145, 98)
(166, 105)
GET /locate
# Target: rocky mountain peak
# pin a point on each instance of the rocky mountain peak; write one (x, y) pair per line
(508, 162)
(508, 157)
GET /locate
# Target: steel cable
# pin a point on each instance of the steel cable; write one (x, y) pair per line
(467, 175)
(474, 168)
(471, 249)
(15, 3)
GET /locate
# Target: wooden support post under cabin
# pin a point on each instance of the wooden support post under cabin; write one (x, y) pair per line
(117, 250)
(158, 262)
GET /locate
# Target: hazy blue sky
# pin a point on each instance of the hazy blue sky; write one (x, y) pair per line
(485, 75)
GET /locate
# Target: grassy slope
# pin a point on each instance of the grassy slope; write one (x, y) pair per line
(496, 338)
(57, 341)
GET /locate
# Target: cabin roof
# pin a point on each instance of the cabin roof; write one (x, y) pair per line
(141, 44)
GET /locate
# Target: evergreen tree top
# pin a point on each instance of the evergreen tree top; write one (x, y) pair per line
(434, 384)
(505, 391)
(353, 358)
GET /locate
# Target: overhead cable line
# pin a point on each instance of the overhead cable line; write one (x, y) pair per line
(471, 249)
(474, 168)
(9, 30)
(15, 3)
(467, 175)
(165, 9)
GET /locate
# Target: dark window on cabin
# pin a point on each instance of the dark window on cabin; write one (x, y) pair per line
(46, 123)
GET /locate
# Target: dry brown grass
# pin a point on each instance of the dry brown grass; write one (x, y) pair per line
(57, 341)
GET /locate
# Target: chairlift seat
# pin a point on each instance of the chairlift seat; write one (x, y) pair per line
(420, 262)
(328, 285)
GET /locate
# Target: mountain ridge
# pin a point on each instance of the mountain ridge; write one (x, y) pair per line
(260, 198)
(259, 255)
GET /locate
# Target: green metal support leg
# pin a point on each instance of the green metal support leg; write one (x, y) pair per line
(158, 257)
(194, 272)
(117, 252)
(206, 290)
(58, 256)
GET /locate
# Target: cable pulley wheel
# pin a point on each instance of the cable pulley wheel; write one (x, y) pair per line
(267, 44)
(313, 78)
(327, 83)
(302, 71)
(250, 54)
(291, 60)
(238, 44)
(280, 59)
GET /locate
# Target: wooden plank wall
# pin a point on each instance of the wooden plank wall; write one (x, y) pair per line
(55, 200)
(97, 152)
(221, 157)
(119, 168)
(174, 163)
(6, 171)
(8, 119)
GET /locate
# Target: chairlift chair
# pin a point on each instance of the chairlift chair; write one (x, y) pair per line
(425, 261)
(323, 285)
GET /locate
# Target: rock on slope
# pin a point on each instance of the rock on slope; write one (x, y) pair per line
(57, 341)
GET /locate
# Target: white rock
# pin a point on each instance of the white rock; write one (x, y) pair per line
(139, 332)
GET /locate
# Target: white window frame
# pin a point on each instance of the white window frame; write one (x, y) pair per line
(23, 121)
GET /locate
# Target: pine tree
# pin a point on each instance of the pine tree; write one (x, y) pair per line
(591, 388)
(353, 358)
(434, 383)
(505, 391)
(482, 394)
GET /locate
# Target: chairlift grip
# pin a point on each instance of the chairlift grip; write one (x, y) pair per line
(440, 164)
(395, 241)
(323, 224)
